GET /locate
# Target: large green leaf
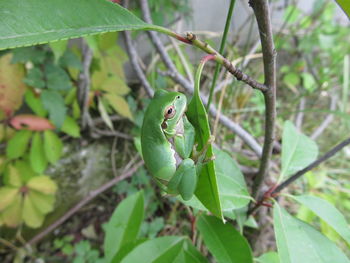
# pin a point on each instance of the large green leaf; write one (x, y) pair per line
(124, 225)
(207, 188)
(345, 5)
(299, 242)
(224, 241)
(298, 150)
(162, 249)
(25, 23)
(327, 212)
(232, 187)
(268, 257)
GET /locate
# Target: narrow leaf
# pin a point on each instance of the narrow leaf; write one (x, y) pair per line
(124, 225)
(327, 212)
(299, 242)
(224, 241)
(207, 188)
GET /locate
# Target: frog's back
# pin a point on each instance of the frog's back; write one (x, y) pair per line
(156, 149)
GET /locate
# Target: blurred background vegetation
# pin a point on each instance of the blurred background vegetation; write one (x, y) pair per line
(55, 149)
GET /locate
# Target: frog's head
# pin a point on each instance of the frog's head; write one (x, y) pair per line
(172, 109)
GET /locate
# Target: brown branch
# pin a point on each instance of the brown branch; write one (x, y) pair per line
(90, 196)
(262, 14)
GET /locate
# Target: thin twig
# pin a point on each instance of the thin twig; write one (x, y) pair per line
(300, 116)
(90, 196)
(135, 64)
(262, 14)
(314, 164)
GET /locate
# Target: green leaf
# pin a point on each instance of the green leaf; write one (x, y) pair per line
(35, 78)
(54, 104)
(7, 196)
(34, 103)
(158, 250)
(58, 48)
(30, 214)
(42, 184)
(309, 82)
(327, 212)
(53, 146)
(207, 188)
(37, 155)
(345, 5)
(12, 215)
(43, 202)
(291, 79)
(57, 78)
(61, 20)
(191, 254)
(299, 242)
(70, 59)
(298, 150)
(119, 104)
(224, 241)
(232, 187)
(12, 176)
(124, 225)
(71, 127)
(269, 257)
(18, 144)
(104, 114)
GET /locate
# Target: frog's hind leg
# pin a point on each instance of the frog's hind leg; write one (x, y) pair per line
(184, 181)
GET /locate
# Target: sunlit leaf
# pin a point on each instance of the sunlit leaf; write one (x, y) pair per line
(43, 184)
(119, 104)
(298, 150)
(299, 242)
(327, 212)
(32, 217)
(12, 215)
(43, 202)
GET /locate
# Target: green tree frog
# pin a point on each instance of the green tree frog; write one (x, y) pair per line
(167, 140)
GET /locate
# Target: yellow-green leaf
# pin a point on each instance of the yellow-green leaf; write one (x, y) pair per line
(43, 184)
(12, 87)
(71, 127)
(18, 144)
(104, 114)
(119, 104)
(37, 155)
(12, 176)
(53, 146)
(31, 216)
(7, 196)
(43, 202)
(12, 215)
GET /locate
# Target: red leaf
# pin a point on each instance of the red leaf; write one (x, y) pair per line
(31, 122)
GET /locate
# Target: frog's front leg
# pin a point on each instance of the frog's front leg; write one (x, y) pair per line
(184, 181)
(184, 141)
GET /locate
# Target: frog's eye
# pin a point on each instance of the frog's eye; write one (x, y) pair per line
(178, 97)
(169, 112)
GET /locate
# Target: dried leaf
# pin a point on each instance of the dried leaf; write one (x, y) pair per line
(31, 122)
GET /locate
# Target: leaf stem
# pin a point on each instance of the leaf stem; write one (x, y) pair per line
(221, 50)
